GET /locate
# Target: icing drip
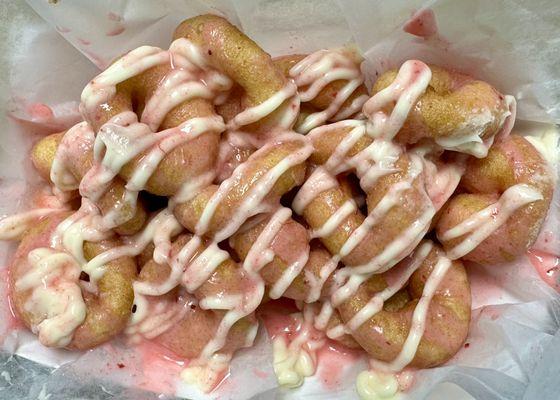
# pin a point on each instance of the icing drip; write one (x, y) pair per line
(79, 138)
(296, 359)
(375, 385)
(320, 69)
(15, 226)
(55, 295)
(481, 224)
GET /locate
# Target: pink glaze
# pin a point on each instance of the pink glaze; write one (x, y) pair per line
(333, 359)
(422, 23)
(276, 317)
(8, 315)
(39, 111)
(85, 42)
(548, 267)
(116, 31)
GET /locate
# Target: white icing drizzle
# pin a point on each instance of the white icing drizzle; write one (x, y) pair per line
(104, 86)
(375, 304)
(256, 113)
(55, 298)
(411, 82)
(318, 70)
(78, 138)
(155, 315)
(481, 224)
(467, 138)
(316, 283)
(13, 227)
(335, 219)
(205, 374)
(253, 201)
(318, 182)
(376, 385)
(419, 316)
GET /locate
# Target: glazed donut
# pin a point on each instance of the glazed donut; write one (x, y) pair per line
(458, 112)
(330, 84)
(47, 295)
(267, 94)
(75, 147)
(388, 334)
(255, 187)
(190, 325)
(508, 194)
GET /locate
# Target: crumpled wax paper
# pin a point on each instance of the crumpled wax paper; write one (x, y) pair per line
(53, 48)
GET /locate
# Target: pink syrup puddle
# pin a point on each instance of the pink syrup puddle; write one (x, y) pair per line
(160, 368)
(422, 23)
(548, 267)
(333, 359)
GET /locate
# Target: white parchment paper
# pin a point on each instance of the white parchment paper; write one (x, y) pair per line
(52, 52)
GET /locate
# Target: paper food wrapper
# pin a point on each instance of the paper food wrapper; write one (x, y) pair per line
(53, 51)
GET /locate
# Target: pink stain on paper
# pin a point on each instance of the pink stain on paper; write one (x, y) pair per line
(119, 26)
(39, 111)
(62, 29)
(422, 23)
(116, 31)
(85, 42)
(111, 16)
(548, 267)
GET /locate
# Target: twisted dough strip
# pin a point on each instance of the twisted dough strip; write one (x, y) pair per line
(195, 324)
(413, 330)
(78, 142)
(456, 111)
(509, 194)
(330, 84)
(47, 295)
